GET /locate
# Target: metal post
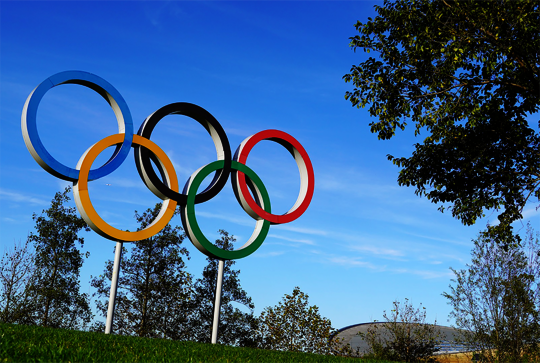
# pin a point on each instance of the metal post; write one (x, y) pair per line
(114, 285)
(217, 305)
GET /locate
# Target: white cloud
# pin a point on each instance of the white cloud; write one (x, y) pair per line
(18, 197)
(426, 274)
(354, 183)
(311, 231)
(304, 241)
(531, 212)
(239, 221)
(63, 184)
(348, 261)
(378, 250)
(268, 254)
(452, 241)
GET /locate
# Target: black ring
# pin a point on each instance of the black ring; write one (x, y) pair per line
(223, 149)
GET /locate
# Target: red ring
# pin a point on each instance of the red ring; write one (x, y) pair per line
(307, 177)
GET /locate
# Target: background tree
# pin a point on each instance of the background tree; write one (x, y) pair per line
(467, 75)
(54, 288)
(235, 326)
(153, 287)
(16, 272)
(496, 300)
(404, 336)
(293, 325)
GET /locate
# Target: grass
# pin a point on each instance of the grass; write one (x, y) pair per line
(20, 343)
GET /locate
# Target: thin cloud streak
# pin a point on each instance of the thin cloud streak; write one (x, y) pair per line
(378, 250)
(18, 197)
(268, 254)
(347, 261)
(238, 221)
(434, 238)
(531, 212)
(304, 241)
(311, 231)
(425, 274)
(396, 249)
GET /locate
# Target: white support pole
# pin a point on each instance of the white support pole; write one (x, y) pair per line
(217, 305)
(114, 285)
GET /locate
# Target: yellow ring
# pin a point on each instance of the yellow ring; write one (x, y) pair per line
(82, 197)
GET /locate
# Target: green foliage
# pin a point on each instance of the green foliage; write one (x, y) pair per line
(235, 327)
(20, 343)
(496, 300)
(293, 325)
(52, 293)
(153, 287)
(404, 336)
(467, 74)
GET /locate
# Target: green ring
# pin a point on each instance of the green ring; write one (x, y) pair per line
(193, 230)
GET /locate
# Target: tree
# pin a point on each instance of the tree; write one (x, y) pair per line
(54, 289)
(235, 327)
(467, 75)
(16, 272)
(404, 336)
(293, 325)
(496, 300)
(153, 287)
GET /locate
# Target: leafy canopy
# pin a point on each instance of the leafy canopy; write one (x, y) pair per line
(404, 336)
(467, 75)
(153, 287)
(293, 325)
(235, 326)
(52, 295)
(496, 300)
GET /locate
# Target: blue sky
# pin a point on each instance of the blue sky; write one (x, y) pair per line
(363, 242)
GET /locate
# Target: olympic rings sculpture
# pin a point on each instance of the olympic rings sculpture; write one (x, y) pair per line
(165, 186)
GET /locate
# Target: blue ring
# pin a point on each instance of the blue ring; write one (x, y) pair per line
(105, 90)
